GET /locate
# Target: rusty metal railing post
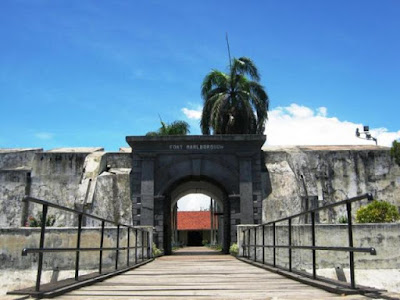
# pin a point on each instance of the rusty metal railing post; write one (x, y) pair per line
(255, 243)
(127, 247)
(148, 244)
(41, 245)
(274, 241)
(142, 245)
(248, 243)
(136, 245)
(263, 243)
(290, 243)
(117, 251)
(78, 246)
(101, 247)
(244, 243)
(350, 236)
(313, 244)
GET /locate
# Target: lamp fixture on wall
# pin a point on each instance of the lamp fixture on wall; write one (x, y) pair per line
(366, 135)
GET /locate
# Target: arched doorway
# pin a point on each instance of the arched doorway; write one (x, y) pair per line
(197, 221)
(192, 185)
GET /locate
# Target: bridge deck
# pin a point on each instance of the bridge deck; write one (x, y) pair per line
(199, 273)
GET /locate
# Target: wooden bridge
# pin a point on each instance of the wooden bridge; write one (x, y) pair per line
(200, 273)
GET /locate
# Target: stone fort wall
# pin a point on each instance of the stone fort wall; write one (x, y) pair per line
(99, 182)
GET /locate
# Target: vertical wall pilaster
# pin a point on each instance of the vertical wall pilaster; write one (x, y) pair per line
(147, 191)
(246, 190)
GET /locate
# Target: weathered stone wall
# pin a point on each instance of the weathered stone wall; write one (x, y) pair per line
(13, 185)
(17, 158)
(13, 240)
(15, 167)
(303, 177)
(85, 179)
(119, 160)
(100, 183)
(112, 199)
(56, 178)
(385, 238)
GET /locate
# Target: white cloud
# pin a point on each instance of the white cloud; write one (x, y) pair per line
(193, 114)
(44, 135)
(301, 125)
(298, 111)
(322, 111)
(194, 202)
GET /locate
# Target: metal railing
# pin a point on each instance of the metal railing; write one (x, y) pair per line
(247, 244)
(144, 249)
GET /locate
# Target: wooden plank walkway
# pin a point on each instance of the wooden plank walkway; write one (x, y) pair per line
(200, 273)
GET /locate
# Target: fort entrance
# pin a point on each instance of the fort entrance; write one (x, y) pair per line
(228, 168)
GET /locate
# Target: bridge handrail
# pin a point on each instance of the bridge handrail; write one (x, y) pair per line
(247, 233)
(75, 211)
(145, 240)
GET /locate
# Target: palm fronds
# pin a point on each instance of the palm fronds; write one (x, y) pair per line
(234, 104)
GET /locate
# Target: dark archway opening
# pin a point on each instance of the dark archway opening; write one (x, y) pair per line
(195, 238)
(192, 185)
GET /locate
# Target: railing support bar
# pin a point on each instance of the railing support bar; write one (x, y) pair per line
(142, 245)
(248, 243)
(313, 244)
(78, 246)
(41, 244)
(244, 243)
(351, 253)
(136, 245)
(101, 247)
(148, 244)
(263, 243)
(290, 243)
(255, 243)
(274, 242)
(117, 251)
(128, 245)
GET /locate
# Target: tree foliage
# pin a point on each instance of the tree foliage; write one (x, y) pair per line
(395, 152)
(174, 128)
(377, 212)
(234, 102)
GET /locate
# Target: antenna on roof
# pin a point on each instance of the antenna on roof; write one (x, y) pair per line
(229, 51)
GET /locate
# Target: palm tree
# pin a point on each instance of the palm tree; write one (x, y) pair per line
(175, 128)
(234, 104)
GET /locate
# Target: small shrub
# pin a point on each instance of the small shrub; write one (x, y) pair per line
(204, 242)
(37, 222)
(156, 251)
(343, 219)
(377, 212)
(234, 249)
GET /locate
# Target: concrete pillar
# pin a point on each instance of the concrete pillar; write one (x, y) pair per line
(246, 191)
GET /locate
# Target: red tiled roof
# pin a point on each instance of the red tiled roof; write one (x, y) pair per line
(194, 220)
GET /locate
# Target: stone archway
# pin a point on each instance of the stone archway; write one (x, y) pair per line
(227, 165)
(192, 185)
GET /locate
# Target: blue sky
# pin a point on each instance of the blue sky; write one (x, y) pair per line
(89, 73)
